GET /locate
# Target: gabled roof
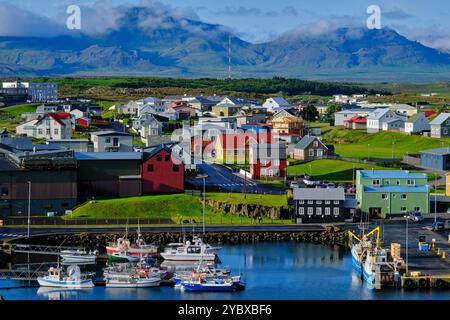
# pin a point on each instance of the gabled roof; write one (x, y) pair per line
(319, 194)
(57, 116)
(357, 119)
(108, 155)
(154, 152)
(440, 119)
(378, 113)
(110, 133)
(280, 101)
(306, 141)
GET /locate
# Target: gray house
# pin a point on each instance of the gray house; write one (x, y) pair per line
(440, 126)
(311, 148)
(438, 159)
(112, 141)
(319, 205)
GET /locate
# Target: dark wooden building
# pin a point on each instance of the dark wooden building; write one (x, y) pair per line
(109, 174)
(47, 178)
(318, 205)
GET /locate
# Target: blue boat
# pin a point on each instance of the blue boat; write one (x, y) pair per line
(215, 285)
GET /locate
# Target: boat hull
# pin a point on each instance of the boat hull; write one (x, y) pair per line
(65, 284)
(69, 258)
(133, 251)
(113, 258)
(188, 257)
(133, 284)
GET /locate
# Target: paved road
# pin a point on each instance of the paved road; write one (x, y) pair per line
(221, 178)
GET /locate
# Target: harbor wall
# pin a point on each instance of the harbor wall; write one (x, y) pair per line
(331, 236)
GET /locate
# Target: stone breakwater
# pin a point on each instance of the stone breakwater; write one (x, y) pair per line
(330, 236)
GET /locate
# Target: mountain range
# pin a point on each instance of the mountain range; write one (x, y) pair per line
(190, 48)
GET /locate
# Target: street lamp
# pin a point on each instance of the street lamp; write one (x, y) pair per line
(310, 170)
(407, 225)
(393, 143)
(29, 208)
(368, 151)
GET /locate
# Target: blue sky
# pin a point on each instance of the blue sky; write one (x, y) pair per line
(257, 20)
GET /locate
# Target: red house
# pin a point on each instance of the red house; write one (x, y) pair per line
(268, 160)
(162, 172)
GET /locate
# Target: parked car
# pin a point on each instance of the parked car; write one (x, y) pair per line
(416, 217)
(341, 185)
(351, 189)
(330, 185)
(294, 184)
(309, 181)
(438, 226)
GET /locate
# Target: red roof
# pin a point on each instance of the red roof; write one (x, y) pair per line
(239, 140)
(357, 119)
(429, 113)
(59, 116)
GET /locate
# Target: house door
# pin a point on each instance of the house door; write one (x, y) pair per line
(375, 212)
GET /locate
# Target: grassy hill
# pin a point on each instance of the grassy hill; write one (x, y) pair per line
(10, 116)
(336, 170)
(359, 144)
(174, 206)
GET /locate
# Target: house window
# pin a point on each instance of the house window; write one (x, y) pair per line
(56, 131)
(310, 211)
(150, 168)
(387, 182)
(40, 131)
(301, 211)
(319, 211)
(403, 209)
(398, 182)
(319, 202)
(176, 168)
(316, 144)
(384, 196)
(411, 182)
(167, 157)
(336, 211)
(327, 201)
(311, 152)
(108, 140)
(403, 196)
(336, 201)
(47, 131)
(376, 182)
(301, 202)
(417, 209)
(310, 202)
(327, 211)
(159, 157)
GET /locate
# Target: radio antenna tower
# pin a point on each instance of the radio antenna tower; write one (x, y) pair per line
(229, 56)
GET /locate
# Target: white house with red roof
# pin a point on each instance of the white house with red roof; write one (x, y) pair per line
(50, 126)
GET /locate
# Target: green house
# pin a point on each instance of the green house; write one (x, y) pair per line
(382, 193)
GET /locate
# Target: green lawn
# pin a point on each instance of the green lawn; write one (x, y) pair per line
(338, 171)
(19, 109)
(359, 144)
(176, 207)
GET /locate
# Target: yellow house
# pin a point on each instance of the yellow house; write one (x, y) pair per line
(288, 124)
(225, 110)
(231, 148)
(447, 185)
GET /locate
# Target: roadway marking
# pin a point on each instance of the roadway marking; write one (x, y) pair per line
(10, 235)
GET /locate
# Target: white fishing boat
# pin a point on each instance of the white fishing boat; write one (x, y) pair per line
(190, 251)
(79, 255)
(361, 246)
(73, 279)
(139, 248)
(378, 271)
(126, 276)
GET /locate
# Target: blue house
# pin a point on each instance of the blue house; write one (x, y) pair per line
(256, 127)
(438, 159)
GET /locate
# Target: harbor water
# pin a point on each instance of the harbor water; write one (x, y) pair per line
(288, 271)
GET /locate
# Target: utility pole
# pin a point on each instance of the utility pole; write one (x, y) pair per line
(204, 204)
(435, 197)
(407, 223)
(29, 208)
(229, 57)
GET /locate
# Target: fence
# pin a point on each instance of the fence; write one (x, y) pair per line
(58, 221)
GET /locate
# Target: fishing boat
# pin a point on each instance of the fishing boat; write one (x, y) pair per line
(378, 271)
(126, 276)
(72, 279)
(79, 255)
(212, 285)
(361, 246)
(122, 256)
(139, 248)
(204, 272)
(190, 251)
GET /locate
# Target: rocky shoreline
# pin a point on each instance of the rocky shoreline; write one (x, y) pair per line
(330, 236)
